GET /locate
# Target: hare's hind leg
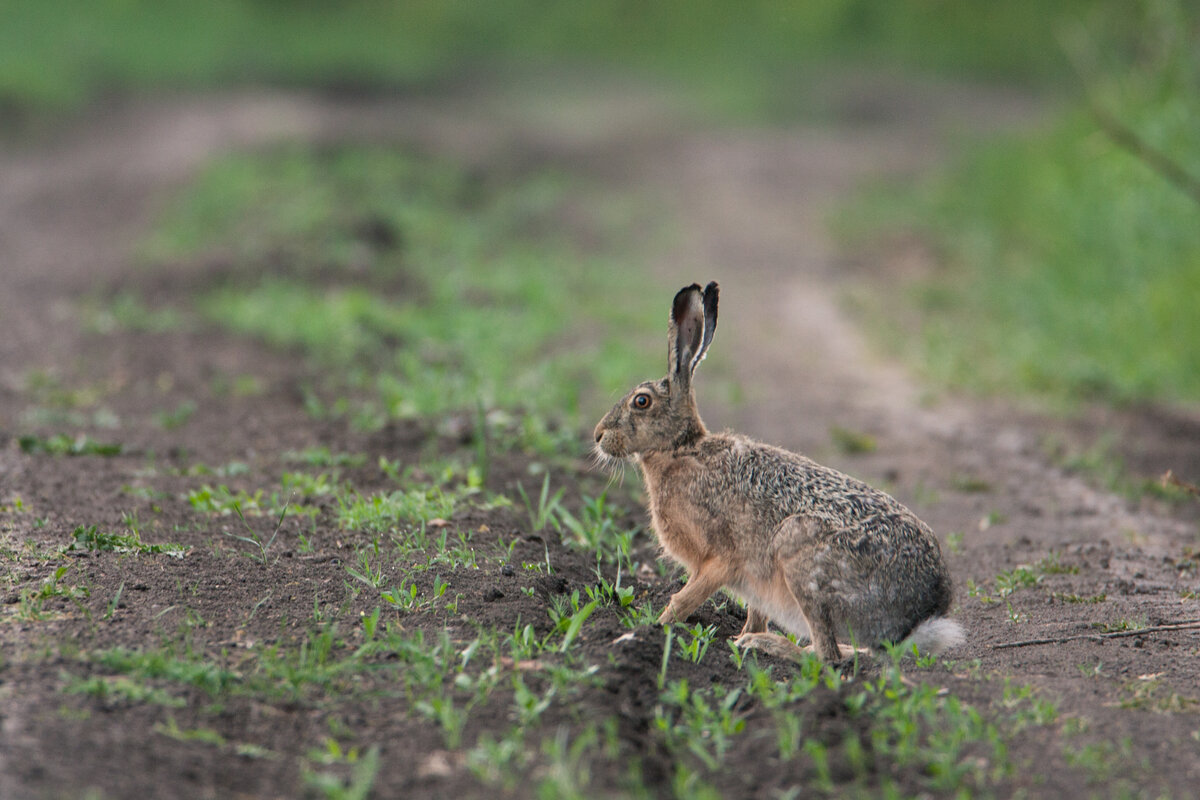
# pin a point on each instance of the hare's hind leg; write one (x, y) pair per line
(801, 546)
(756, 622)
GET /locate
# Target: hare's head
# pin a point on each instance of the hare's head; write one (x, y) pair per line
(662, 415)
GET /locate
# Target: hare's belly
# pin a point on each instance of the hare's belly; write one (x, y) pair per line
(774, 599)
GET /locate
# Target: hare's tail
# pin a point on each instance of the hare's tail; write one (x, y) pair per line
(935, 635)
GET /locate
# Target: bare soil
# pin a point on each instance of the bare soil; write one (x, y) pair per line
(750, 206)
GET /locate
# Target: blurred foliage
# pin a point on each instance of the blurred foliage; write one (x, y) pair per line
(1067, 260)
(61, 52)
(418, 288)
(1068, 264)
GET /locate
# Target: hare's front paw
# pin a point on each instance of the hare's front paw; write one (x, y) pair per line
(669, 615)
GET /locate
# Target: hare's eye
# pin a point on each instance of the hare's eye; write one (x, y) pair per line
(641, 400)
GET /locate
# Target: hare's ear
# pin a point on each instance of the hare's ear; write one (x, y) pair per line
(693, 321)
(711, 293)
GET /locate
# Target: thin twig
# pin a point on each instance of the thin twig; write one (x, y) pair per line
(1169, 479)
(1174, 626)
(1128, 139)
(1080, 48)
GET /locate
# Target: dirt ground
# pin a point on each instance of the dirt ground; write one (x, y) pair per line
(750, 209)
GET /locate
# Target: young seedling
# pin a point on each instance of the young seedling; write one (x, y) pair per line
(367, 574)
(607, 592)
(546, 510)
(362, 779)
(668, 636)
(261, 547)
(701, 637)
(403, 598)
(170, 420)
(114, 603)
(575, 624)
(31, 601)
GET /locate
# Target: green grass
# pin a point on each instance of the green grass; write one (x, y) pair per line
(474, 299)
(220, 499)
(1025, 576)
(64, 444)
(1102, 463)
(886, 728)
(850, 442)
(58, 53)
(418, 502)
(1064, 266)
(126, 310)
(323, 457)
(385, 511)
(91, 538)
(62, 51)
(31, 603)
(1074, 272)
(119, 688)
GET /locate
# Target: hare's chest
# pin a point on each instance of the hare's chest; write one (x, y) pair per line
(681, 538)
(682, 518)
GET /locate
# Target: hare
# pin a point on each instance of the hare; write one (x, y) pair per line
(820, 554)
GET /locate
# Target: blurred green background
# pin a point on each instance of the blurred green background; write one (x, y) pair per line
(59, 52)
(1068, 258)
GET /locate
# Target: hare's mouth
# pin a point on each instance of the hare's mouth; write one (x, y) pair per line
(614, 463)
(611, 445)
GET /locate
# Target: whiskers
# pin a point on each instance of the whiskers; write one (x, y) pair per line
(615, 467)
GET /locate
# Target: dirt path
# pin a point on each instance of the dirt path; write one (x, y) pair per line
(751, 209)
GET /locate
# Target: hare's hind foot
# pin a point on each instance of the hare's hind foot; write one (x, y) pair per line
(783, 647)
(773, 644)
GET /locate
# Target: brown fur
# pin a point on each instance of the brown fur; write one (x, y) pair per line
(808, 547)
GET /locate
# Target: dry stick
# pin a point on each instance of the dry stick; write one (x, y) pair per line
(1169, 479)
(1183, 625)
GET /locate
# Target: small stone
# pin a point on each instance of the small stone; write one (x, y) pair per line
(507, 570)
(438, 764)
(492, 594)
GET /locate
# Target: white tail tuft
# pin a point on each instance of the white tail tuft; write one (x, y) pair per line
(936, 635)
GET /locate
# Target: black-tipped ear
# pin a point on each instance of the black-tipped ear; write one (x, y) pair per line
(686, 336)
(711, 295)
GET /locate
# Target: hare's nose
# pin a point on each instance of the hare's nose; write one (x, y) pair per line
(599, 435)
